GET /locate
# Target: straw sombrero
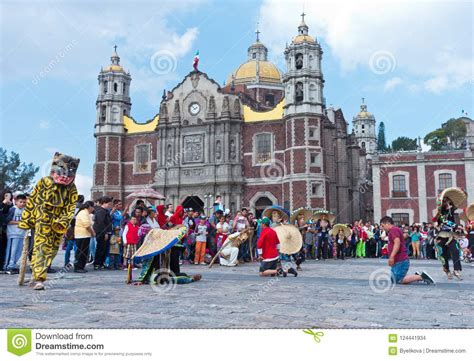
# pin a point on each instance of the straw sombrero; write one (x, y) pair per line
(457, 196)
(307, 212)
(284, 214)
(470, 212)
(323, 214)
(158, 241)
(335, 230)
(290, 238)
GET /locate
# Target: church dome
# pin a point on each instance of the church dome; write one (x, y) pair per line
(247, 73)
(298, 39)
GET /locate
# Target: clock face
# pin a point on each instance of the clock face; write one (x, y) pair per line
(194, 108)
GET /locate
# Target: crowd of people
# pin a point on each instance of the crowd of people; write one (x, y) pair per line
(106, 233)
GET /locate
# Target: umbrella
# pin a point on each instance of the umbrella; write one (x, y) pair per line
(158, 241)
(335, 230)
(307, 213)
(284, 214)
(323, 214)
(147, 194)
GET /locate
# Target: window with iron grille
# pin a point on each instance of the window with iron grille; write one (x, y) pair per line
(263, 152)
(142, 158)
(401, 218)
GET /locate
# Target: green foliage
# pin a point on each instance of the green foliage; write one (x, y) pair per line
(404, 143)
(381, 142)
(436, 139)
(451, 135)
(14, 174)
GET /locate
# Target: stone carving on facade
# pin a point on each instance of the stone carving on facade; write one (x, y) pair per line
(232, 150)
(218, 150)
(194, 172)
(176, 112)
(237, 108)
(163, 111)
(225, 106)
(195, 79)
(193, 148)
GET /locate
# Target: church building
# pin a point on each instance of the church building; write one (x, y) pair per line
(265, 137)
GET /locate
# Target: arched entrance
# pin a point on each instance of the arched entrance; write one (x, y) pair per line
(193, 202)
(260, 204)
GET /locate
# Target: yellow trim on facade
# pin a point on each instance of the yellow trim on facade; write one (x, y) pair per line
(251, 115)
(133, 127)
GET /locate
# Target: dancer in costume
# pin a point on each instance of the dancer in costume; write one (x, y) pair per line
(48, 211)
(446, 243)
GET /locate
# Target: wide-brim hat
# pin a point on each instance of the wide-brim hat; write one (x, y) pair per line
(290, 238)
(320, 214)
(158, 241)
(470, 212)
(456, 195)
(306, 212)
(284, 214)
(337, 227)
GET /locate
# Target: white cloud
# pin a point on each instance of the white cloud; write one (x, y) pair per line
(72, 40)
(392, 83)
(44, 124)
(425, 39)
(83, 185)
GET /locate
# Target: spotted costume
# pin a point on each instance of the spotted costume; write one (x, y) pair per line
(49, 211)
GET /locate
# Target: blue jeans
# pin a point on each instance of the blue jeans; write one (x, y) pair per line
(92, 247)
(13, 253)
(400, 270)
(69, 246)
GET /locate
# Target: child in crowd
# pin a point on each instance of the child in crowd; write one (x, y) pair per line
(130, 240)
(15, 235)
(201, 232)
(115, 241)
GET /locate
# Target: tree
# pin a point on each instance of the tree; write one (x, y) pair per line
(452, 134)
(437, 139)
(404, 143)
(381, 143)
(14, 174)
(455, 131)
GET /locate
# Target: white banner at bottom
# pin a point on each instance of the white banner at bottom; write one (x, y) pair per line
(210, 344)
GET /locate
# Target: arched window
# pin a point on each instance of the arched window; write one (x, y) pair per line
(115, 87)
(363, 145)
(299, 92)
(299, 61)
(106, 85)
(124, 88)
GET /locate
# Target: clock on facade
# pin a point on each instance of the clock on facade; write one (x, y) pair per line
(194, 108)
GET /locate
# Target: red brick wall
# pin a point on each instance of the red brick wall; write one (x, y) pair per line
(299, 194)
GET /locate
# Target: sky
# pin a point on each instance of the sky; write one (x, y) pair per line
(411, 60)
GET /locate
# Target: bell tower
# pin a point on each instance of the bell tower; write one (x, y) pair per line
(303, 80)
(113, 101)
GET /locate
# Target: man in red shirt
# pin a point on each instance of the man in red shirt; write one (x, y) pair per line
(398, 258)
(268, 247)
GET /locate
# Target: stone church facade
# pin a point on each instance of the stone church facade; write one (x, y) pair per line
(265, 137)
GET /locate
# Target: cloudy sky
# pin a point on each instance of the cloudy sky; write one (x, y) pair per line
(411, 60)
